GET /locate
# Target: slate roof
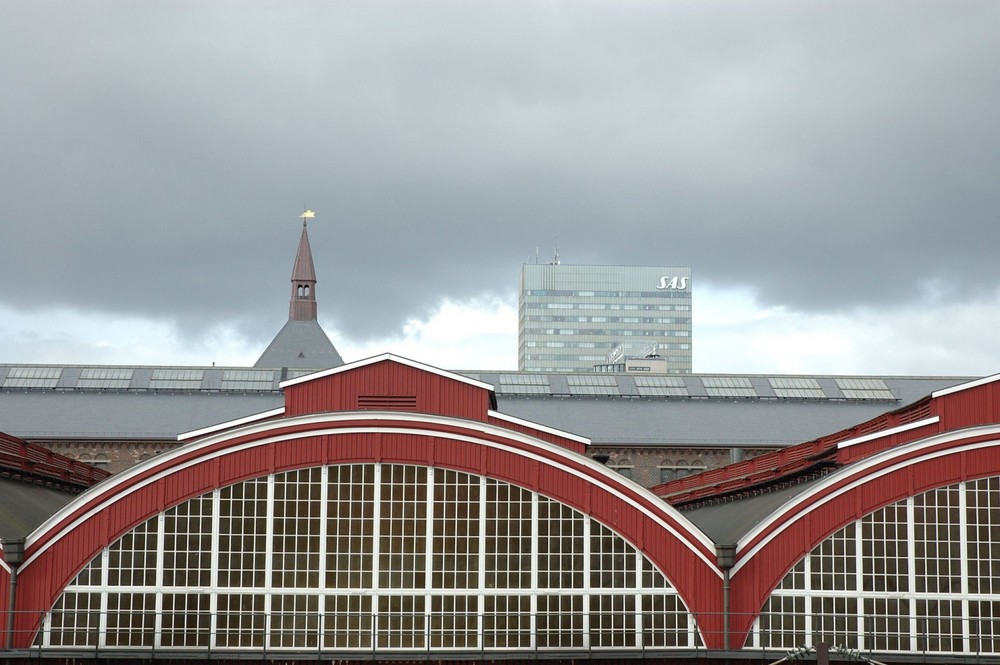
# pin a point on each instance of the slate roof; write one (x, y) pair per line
(124, 415)
(709, 422)
(725, 524)
(300, 344)
(765, 483)
(143, 407)
(24, 506)
(766, 421)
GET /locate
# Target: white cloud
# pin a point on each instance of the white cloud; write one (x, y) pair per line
(65, 336)
(732, 334)
(475, 334)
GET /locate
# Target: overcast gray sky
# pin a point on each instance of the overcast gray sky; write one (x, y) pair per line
(829, 170)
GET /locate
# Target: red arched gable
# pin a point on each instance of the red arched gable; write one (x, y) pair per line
(63, 546)
(770, 552)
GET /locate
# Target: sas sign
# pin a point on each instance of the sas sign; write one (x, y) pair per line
(673, 283)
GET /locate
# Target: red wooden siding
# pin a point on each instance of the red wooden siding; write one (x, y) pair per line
(4, 598)
(491, 454)
(761, 573)
(34, 461)
(381, 384)
(967, 408)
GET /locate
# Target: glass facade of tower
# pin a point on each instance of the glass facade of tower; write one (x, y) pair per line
(572, 318)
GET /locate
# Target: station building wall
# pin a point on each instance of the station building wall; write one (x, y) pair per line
(607, 558)
(106, 556)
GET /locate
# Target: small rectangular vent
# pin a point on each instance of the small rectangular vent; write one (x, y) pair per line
(387, 402)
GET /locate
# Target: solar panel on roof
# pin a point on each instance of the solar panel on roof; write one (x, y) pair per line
(728, 386)
(524, 379)
(523, 384)
(509, 389)
(865, 388)
(176, 379)
(105, 378)
(247, 379)
(592, 385)
(796, 387)
(32, 377)
(661, 386)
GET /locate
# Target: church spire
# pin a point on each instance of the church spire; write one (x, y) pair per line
(301, 343)
(302, 306)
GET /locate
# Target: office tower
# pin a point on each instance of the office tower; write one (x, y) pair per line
(571, 317)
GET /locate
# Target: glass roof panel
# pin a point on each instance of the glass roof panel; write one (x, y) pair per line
(105, 378)
(592, 385)
(796, 387)
(32, 377)
(728, 386)
(661, 386)
(865, 388)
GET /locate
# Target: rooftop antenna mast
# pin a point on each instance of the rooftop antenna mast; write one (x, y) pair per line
(555, 257)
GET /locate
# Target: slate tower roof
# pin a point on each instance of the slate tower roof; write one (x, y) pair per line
(301, 343)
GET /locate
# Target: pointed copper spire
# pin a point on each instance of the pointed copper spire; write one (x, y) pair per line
(301, 343)
(302, 306)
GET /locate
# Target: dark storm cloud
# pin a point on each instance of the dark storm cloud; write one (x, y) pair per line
(156, 155)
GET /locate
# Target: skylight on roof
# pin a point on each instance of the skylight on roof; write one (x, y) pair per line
(794, 387)
(523, 384)
(105, 378)
(247, 379)
(728, 386)
(661, 386)
(32, 377)
(176, 379)
(592, 385)
(865, 389)
(524, 379)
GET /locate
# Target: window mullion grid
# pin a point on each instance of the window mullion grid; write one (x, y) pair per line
(429, 557)
(161, 540)
(807, 602)
(102, 617)
(268, 558)
(324, 492)
(585, 608)
(213, 594)
(911, 569)
(533, 605)
(963, 553)
(480, 633)
(376, 549)
(859, 581)
(46, 629)
(637, 565)
(694, 630)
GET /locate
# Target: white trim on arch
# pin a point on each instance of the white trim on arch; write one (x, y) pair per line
(541, 428)
(965, 386)
(806, 501)
(599, 474)
(194, 434)
(888, 432)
